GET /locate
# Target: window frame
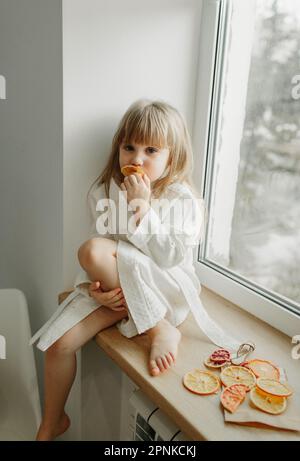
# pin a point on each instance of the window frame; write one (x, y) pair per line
(269, 307)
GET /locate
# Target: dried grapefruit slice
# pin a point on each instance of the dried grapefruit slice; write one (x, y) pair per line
(233, 396)
(220, 356)
(273, 387)
(239, 389)
(263, 369)
(266, 402)
(201, 382)
(207, 362)
(237, 375)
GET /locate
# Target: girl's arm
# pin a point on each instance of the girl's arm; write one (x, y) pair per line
(166, 240)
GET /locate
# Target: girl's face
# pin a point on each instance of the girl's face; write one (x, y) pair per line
(154, 160)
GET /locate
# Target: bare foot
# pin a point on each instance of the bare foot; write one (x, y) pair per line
(165, 339)
(45, 434)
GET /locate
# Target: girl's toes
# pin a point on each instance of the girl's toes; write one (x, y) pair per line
(169, 359)
(154, 368)
(165, 362)
(160, 364)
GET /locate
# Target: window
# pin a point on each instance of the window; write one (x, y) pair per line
(252, 171)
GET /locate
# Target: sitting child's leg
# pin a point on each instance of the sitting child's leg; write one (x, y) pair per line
(164, 344)
(60, 369)
(98, 257)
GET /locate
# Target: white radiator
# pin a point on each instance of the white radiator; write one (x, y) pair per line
(148, 423)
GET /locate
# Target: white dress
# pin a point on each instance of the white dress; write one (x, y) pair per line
(155, 269)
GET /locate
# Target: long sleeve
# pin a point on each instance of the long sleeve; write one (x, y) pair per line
(166, 239)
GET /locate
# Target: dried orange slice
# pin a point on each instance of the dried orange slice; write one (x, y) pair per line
(237, 375)
(233, 396)
(126, 170)
(266, 402)
(263, 369)
(273, 387)
(201, 382)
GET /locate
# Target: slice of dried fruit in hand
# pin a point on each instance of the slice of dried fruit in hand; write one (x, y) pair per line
(127, 170)
(237, 375)
(263, 369)
(201, 382)
(266, 402)
(273, 387)
(233, 396)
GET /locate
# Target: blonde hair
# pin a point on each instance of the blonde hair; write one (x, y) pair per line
(153, 123)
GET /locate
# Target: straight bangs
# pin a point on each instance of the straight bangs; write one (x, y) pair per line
(147, 127)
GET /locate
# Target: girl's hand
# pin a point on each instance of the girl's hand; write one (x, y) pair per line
(137, 187)
(113, 299)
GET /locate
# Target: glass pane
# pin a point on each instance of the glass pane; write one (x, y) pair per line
(254, 225)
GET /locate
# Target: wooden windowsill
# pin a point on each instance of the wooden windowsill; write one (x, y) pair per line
(195, 415)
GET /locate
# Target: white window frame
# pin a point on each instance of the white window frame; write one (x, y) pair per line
(272, 309)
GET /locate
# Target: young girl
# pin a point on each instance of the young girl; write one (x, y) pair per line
(139, 276)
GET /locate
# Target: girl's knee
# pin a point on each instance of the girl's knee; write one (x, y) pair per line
(62, 346)
(94, 250)
(86, 252)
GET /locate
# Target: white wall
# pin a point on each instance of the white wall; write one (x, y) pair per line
(115, 51)
(31, 154)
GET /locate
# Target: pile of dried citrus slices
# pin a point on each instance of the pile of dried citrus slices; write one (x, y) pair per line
(269, 394)
(261, 378)
(238, 381)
